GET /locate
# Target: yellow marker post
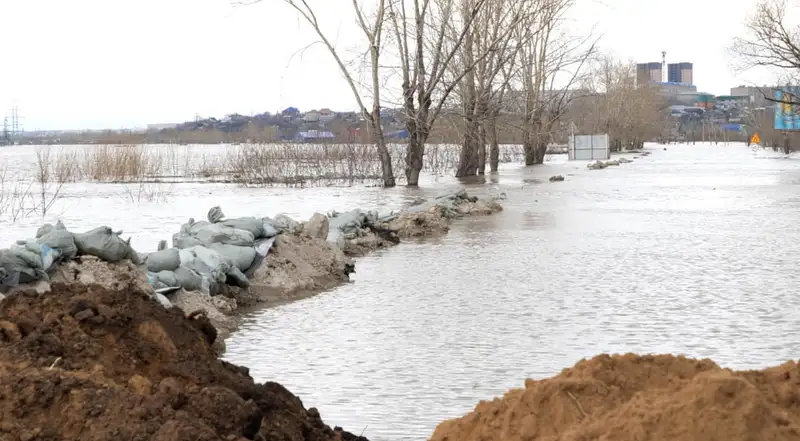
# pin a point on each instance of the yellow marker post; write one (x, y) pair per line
(755, 139)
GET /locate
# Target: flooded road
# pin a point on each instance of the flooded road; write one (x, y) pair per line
(691, 250)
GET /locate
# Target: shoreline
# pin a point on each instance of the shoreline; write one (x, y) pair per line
(221, 266)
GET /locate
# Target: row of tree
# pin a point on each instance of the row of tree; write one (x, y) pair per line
(490, 62)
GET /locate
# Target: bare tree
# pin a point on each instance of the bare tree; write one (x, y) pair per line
(769, 43)
(373, 31)
(429, 35)
(548, 55)
(481, 90)
(627, 113)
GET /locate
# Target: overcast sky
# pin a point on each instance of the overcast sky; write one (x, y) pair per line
(70, 64)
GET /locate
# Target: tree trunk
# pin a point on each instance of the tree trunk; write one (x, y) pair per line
(481, 149)
(494, 146)
(414, 154)
(468, 159)
(383, 151)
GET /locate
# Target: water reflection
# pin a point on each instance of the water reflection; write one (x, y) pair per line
(691, 250)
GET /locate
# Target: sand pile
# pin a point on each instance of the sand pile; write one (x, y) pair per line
(88, 362)
(642, 398)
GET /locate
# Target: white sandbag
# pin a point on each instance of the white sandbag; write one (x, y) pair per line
(190, 280)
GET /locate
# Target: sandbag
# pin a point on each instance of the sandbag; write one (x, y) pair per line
(106, 245)
(283, 223)
(218, 233)
(239, 257)
(21, 265)
(184, 240)
(262, 249)
(165, 260)
(61, 240)
(166, 278)
(191, 280)
(237, 278)
(215, 215)
(162, 245)
(257, 227)
(205, 261)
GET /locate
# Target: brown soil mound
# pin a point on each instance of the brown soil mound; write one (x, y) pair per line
(642, 398)
(92, 363)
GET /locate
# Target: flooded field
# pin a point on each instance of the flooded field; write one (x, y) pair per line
(691, 250)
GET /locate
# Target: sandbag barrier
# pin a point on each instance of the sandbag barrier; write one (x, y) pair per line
(205, 255)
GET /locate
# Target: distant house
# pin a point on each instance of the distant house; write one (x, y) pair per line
(326, 115)
(314, 136)
(290, 112)
(311, 116)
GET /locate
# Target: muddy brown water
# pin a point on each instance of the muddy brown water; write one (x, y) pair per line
(691, 250)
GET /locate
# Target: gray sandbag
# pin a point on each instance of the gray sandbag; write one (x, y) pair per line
(21, 265)
(284, 223)
(218, 233)
(44, 229)
(61, 240)
(191, 280)
(215, 215)
(237, 278)
(165, 260)
(205, 261)
(166, 278)
(239, 257)
(184, 240)
(105, 244)
(255, 226)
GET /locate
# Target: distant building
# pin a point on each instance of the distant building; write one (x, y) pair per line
(649, 73)
(677, 93)
(158, 127)
(311, 116)
(680, 73)
(290, 112)
(326, 115)
(757, 96)
(315, 136)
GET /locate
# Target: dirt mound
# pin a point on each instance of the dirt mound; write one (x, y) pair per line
(92, 363)
(630, 397)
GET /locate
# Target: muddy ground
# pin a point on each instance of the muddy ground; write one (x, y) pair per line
(637, 398)
(86, 362)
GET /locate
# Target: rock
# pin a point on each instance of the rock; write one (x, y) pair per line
(597, 165)
(624, 160)
(556, 178)
(84, 315)
(191, 301)
(140, 385)
(317, 227)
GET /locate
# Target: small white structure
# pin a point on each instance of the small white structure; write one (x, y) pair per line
(589, 147)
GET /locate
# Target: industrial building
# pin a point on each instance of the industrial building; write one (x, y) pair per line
(680, 73)
(649, 73)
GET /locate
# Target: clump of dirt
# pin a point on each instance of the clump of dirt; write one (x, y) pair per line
(630, 397)
(297, 263)
(86, 362)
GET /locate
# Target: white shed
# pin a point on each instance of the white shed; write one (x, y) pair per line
(589, 147)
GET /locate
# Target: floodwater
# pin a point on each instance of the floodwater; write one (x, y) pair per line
(692, 250)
